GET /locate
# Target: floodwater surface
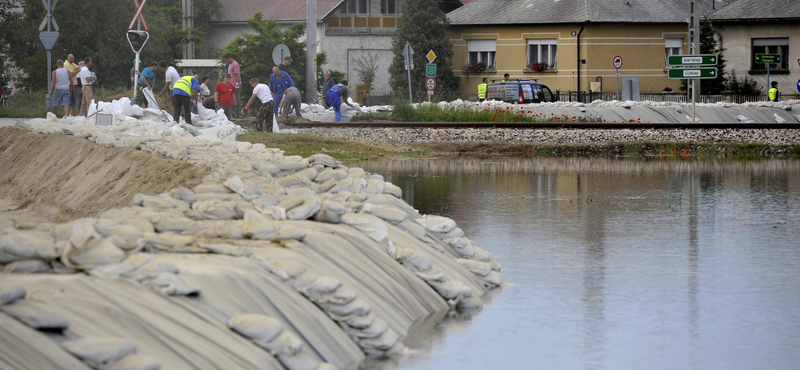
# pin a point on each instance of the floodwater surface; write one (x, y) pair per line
(617, 264)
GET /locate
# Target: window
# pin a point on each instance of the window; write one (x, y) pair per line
(672, 47)
(389, 6)
(354, 6)
(771, 46)
(481, 51)
(542, 53)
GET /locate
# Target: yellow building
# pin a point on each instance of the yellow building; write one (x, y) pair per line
(569, 45)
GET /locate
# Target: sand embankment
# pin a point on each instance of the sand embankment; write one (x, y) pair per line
(65, 177)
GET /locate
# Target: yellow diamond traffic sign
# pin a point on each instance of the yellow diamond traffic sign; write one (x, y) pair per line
(431, 56)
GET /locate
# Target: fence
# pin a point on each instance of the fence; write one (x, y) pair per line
(588, 97)
(388, 97)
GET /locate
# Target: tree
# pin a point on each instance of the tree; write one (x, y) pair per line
(254, 51)
(709, 45)
(426, 28)
(96, 29)
(367, 67)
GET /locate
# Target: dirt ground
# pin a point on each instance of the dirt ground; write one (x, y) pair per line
(59, 177)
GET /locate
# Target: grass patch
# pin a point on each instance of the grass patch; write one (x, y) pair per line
(341, 149)
(404, 112)
(31, 103)
(372, 117)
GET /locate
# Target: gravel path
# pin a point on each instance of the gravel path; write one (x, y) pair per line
(561, 136)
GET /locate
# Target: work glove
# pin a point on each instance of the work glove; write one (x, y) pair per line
(244, 110)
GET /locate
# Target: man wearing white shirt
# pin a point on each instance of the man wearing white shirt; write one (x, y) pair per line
(86, 79)
(172, 77)
(264, 115)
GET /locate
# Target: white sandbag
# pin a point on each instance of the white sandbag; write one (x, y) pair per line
(387, 213)
(100, 353)
(275, 127)
(96, 253)
(331, 174)
(384, 342)
(373, 331)
(476, 267)
(294, 181)
(451, 289)
(491, 280)
(412, 258)
(300, 361)
(392, 189)
(255, 224)
(136, 111)
(214, 210)
(330, 212)
(287, 343)
(370, 225)
(9, 294)
(256, 327)
(323, 159)
(356, 307)
(322, 285)
(166, 241)
(481, 255)
(359, 322)
(293, 165)
(310, 207)
(374, 186)
(437, 224)
(26, 244)
(342, 295)
(27, 267)
(212, 188)
(137, 362)
(284, 269)
(36, 314)
(171, 284)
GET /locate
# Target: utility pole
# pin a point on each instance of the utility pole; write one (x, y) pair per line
(696, 46)
(49, 39)
(311, 51)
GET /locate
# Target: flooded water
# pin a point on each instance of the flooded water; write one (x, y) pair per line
(618, 264)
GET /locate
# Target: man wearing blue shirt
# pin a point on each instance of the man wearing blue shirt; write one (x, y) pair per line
(279, 81)
(184, 89)
(147, 80)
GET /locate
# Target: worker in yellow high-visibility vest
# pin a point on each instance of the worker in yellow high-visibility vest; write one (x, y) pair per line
(184, 89)
(774, 93)
(482, 89)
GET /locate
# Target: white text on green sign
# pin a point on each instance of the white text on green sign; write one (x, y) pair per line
(692, 60)
(692, 73)
(430, 70)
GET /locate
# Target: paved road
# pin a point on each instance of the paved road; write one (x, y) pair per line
(8, 121)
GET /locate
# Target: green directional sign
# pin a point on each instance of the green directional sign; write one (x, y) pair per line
(430, 70)
(692, 60)
(768, 58)
(692, 73)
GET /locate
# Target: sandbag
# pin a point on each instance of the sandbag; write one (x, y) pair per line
(23, 244)
(100, 353)
(27, 267)
(36, 314)
(9, 294)
(258, 328)
(370, 225)
(137, 362)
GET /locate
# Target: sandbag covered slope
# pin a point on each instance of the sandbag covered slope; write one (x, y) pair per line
(273, 261)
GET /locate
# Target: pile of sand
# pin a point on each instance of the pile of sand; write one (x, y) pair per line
(67, 177)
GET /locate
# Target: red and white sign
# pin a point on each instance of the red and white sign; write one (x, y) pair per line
(430, 83)
(139, 15)
(617, 62)
(798, 62)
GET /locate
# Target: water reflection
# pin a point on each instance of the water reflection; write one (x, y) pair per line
(618, 264)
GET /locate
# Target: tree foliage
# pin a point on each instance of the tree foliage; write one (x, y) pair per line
(97, 29)
(254, 51)
(709, 45)
(425, 27)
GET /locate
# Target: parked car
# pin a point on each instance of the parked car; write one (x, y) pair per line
(519, 91)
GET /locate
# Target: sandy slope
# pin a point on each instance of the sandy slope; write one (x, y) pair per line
(65, 177)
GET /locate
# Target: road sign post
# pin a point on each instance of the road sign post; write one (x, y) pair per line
(408, 57)
(617, 61)
(430, 84)
(49, 39)
(137, 39)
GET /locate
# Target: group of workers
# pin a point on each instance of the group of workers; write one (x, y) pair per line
(71, 86)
